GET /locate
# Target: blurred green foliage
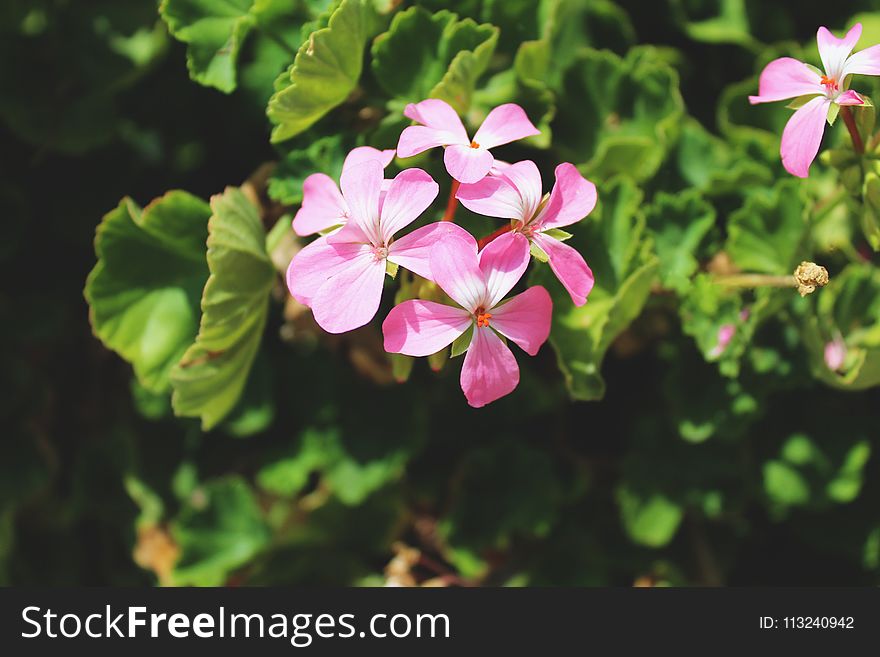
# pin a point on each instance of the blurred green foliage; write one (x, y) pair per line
(234, 443)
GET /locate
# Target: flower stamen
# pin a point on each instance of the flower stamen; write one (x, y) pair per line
(830, 82)
(474, 144)
(482, 317)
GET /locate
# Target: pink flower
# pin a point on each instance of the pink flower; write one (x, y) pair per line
(340, 276)
(725, 335)
(477, 283)
(516, 194)
(323, 206)
(467, 160)
(786, 78)
(835, 354)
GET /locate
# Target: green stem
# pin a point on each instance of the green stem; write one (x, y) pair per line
(755, 280)
(827, 206)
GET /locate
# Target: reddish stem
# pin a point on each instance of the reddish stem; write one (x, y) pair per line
(452, 203)
(506, 228)
(850, 121)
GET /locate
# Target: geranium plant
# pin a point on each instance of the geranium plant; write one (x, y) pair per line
(460, 293)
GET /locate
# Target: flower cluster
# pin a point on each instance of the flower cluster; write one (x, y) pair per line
(341, 274)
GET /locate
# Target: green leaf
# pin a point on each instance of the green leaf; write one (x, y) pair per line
(151, 505)
(143, 292)
(800, 101)
(569, 26)
(710, 308)
(462, 342)
(849, 307)
(769, 234)
(219, 529)
(825, 466)
(726, 21)
(401, 367)
(871, 210)
(679, 224)
(784, 484)
(211, 376)
(619, 116)
(833, 111)
(613, 242)
(426, 55)
(651, 521)
(538, 253)
(712, 165)
(152, 405)
(755, 129)
(281, 27)
(347, 472)
(324, 155)
(558, 234)
(326, 70)
(214, 33)
(255, 410)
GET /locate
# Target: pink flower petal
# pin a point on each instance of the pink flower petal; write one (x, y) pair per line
(504, 124)
(525, 318)
(466, 164)
(317, 262)
(573, 198)
(493, 196)
(413, 250)
(526, 179)
(786, 78)
(322, 206)
(834, 51)
(361, 185)
(363, 154)
(351, 298)
(416, 139)
(864, 62)
(411, 193)
(440, 127)
(349, 233)
(438, 114)
(455, 268)
(835, 354)
(802, 136)
(503, 262)
(489, 370)
(849, 97)
(498, 168)
(569, 266)
(422, 328)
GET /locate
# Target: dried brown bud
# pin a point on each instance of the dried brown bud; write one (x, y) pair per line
(809, 276)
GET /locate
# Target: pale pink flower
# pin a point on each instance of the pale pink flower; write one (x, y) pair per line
(835, 354)
(467, 160)
(517, 194)
(323, 206)
(340, 276)
(477, 283)
(787, 78)
(725, 335)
